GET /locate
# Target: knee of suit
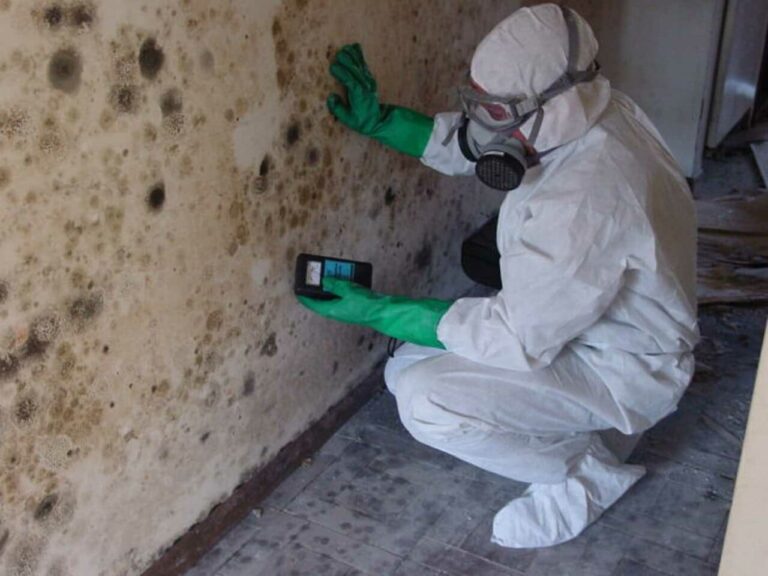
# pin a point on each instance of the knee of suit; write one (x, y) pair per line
(420, 410)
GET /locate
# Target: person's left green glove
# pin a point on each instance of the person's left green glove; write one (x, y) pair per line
(403, 318)
(404, 130)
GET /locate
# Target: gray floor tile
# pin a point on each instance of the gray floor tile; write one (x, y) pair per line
(655, 530)
(454, 561)
(692, 508)
(630, 568)
(398, 536)
(667, 561)
(410, 568)
(227, 547)
(364, 557)
(298, 480)
(293, 560)
(276, 530)
(479, 543)
(554, 561)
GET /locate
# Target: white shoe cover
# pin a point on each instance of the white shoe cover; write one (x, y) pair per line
(549, 514)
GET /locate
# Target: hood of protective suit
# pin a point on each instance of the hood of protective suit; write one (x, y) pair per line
(528, 51)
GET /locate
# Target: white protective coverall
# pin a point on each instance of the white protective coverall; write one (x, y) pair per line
(596, 321)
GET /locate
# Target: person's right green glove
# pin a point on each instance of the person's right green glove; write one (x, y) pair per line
(404, 130)
(407, 319)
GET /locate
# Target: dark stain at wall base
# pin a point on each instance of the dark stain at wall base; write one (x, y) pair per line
(4, 291)
(423, 257)
(389, 197)
(151, 59)
(64, 70)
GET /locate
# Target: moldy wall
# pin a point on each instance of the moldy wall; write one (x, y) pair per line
(161, 164)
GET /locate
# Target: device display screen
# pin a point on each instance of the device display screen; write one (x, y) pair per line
(341, 270)
(314, 273)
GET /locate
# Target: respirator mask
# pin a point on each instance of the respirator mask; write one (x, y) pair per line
(486, 130)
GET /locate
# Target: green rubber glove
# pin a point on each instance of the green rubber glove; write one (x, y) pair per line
(406, 319)
(399, 128)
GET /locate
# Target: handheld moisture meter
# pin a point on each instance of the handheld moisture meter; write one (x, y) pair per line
(310, 271)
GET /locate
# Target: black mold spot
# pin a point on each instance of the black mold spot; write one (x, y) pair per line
(25, 410)
(45, 507)
(293, 134)
(156, 197)
(423, 257)
(53, 16)
(64, 70)
(389, 196)
(313, 156)
(86, 307)
(151, 59)
(4, 536)
(9, 365)
(81, 15)
(249, 384)
(5, 177)
(43, 332)
(124, 98)
(205, 437)
(270, 346)
(265, 165)
(4, 291)
(171, 102)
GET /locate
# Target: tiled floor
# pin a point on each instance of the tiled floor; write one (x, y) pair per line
(375, 502)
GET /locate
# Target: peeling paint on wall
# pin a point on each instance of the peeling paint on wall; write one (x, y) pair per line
(161, 165)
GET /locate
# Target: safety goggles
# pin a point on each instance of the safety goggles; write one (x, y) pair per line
(495, 113)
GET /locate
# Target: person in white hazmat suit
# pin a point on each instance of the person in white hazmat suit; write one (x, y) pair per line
(595, 324)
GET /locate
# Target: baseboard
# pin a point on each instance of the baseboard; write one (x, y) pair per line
(202, 537)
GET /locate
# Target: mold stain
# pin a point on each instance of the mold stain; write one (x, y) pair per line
(25, 410)
(4, 291)
(64, 70)
(423, 257)
(124, 98)
(14, 123)
(9, 365)
(53, 16)
(171, 106)
(249, 384)
(82, 15)
(156, 197)
(389, 197)
(171, 102)
(293, 134)
(5, 177)
(85, 308)
(269, 348)
(151, 59)
(45, 507)
(43, 332)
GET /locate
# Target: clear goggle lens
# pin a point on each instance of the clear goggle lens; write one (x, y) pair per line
(493, 112)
